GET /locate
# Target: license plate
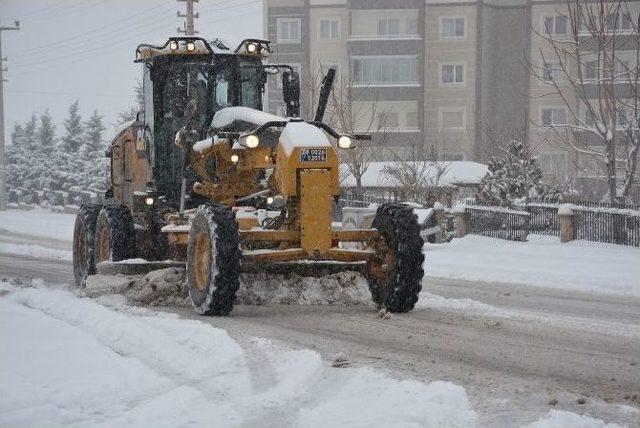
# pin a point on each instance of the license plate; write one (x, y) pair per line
(313, 155)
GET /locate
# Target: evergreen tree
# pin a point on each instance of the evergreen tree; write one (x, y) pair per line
(31, 133)
(94, 128)
(72, 139)
(46, 133)
(514, 177)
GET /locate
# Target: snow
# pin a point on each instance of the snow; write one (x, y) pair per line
(455, 172)
(39, 223)
(301, 134)
(228, 115)
(562, 419)
(423, 214)
(565, 209)
(93, 365)
(202, 145)
(123, 127)
(35, 251)
(542, 261)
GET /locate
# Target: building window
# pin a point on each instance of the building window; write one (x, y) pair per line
(553, 116)
(329, 29)
(552, 72)
(619, 22)
(452, 28)
(555, 24)
(412, 27)
(452, 73)
(590, 70)
(411, 120)
(288, 30)
(385, 70)
(452, 118)
(389, 27)
(388, 120)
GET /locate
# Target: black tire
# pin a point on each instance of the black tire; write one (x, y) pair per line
(398, 289)
(84, 230)
(114, 225)
(213, 275)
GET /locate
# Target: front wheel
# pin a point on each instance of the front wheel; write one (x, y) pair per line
(115, 234)
(84, 231)
(395, 274)
(213, 260)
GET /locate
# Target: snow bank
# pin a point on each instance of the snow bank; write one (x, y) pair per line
(71, 361)
(301, 134)
(35, 251)
(542, 261)
(39, 223)
(228, 115)
(562, 419)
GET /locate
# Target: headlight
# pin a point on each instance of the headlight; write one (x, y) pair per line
(173, 45)
(270, 200)
(344, 142)
(234, 158)
(252, 141)
(149, 201)
(191, 46)
(252, 48)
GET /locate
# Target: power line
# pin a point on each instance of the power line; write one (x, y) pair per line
(109, 43)
(78, 94)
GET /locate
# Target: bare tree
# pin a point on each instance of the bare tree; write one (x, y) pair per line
(347, 113)
(419, 171)
(598, 87)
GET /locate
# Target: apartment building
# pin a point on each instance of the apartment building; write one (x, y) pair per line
(450, 76)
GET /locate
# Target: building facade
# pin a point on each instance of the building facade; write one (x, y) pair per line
(451, 77)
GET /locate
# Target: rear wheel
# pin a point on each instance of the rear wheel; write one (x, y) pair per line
(395, 274)
(213, 260)
(115, 235)
(84, 230)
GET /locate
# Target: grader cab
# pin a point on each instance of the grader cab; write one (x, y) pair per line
(205, 178)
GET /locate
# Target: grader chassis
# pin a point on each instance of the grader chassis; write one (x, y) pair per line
(206, 178)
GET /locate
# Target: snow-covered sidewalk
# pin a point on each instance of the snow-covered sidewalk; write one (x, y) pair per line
(39, 223)
(541, 261)
(71, 361)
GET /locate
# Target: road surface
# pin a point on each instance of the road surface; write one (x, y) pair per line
(538, 345)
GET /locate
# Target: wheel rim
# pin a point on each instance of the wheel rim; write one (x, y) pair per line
(103, 247)
(203, 260)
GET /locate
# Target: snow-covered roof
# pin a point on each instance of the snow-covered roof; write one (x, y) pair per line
(122, 127)
(301, 134)
(228, 115)
(455, 172)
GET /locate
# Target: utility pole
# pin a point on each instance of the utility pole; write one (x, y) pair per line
(189, 29)
(3, 196)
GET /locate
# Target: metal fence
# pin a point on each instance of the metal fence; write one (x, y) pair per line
(497, 222)
(610, 225)
(595, 221)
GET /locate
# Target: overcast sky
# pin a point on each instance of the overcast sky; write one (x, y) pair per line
(84, 49)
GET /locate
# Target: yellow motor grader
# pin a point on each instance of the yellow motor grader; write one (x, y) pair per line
(205, 178)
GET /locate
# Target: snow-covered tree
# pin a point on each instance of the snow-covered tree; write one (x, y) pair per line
(94, 129)
(74, 131)
(514, 177)
(93, 155)
(46, 133)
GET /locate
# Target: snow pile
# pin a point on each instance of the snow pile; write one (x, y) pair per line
(70, 361)
(228, 115)
(562, 419)
(40, 223)
(167, 287)
(542, 261)
(343, 288)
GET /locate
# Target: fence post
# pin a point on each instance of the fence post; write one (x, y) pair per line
(441, 219)
(461, 219)
(568, 224)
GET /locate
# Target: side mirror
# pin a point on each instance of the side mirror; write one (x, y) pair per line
(291, 92)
